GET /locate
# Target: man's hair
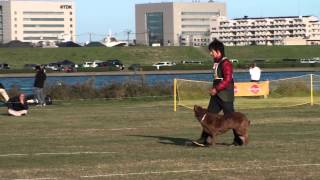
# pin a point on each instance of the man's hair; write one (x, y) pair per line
(217, 45)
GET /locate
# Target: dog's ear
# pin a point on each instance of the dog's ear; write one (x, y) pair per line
(195, 107)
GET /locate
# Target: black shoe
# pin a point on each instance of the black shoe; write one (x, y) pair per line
(237, 143)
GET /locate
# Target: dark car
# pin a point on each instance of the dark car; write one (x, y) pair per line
(95, 44)
(117, 63)
(30, 66)
(112, 63)
(4, 66)
(68, 69)
(68, 44)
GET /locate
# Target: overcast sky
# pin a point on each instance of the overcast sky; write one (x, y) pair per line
(98, 17)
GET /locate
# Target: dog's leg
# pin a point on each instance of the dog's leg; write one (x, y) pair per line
(209, 140)
(237, 140)
(246, 138)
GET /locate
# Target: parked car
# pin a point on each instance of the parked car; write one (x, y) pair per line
(310, 61)
(92, 64)
(30, 66)
(234, 60)
(112, 63)
(53, 66)
(68, 69)
(4, 66)
(191, 62)
(164, 63)
(117, 63)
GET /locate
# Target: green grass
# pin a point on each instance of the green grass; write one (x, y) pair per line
(17, 57)
(146, 140)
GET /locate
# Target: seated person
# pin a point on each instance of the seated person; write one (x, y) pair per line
(18, 106)
(3, 93)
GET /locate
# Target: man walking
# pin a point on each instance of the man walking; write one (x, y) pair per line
(38, 86)
(222, 91)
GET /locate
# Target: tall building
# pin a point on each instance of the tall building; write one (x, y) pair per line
(178, 24)
(37, 20)
(286, 30)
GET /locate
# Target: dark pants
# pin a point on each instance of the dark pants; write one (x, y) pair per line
(216, 104)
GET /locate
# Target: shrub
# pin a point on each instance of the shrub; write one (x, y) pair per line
(87, 90)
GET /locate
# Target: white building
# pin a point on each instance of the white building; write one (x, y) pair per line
(37, 20)
(290, 30)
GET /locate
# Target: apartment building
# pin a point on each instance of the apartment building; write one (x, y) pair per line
(288, 30)
(37, 20)
(176, 24)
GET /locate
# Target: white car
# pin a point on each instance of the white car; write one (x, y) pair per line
(90, 64)
(234, 60)
(52, 66)
(160, 64)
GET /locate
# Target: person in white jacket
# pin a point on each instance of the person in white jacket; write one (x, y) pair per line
(4, 93)
(255, 73)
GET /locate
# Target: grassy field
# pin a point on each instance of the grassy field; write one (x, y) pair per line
(147, 140)
(17, 57)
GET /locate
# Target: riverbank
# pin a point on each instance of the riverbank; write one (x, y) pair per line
(127, 73)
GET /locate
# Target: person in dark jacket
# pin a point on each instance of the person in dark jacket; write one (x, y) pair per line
(40, 79)
(222, 91)
(18, 106)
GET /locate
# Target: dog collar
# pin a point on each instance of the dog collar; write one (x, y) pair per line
(204, 116)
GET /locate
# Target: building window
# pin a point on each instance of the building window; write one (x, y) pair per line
(42, 13)
(70, 13)
(71, 25)
(43, 25)
(201, 13)
(195, 26)
(70, 19)
(40, 38)
(43, 19)
(155, 28)
(43, 32)
(195, 19)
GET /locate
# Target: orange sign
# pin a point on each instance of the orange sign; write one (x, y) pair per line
(251, 88)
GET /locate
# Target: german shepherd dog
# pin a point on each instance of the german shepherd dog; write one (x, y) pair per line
(215, 124)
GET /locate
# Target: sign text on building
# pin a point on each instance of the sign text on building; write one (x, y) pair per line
(65, 7)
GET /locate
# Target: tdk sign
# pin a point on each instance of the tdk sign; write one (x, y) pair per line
(65, 7)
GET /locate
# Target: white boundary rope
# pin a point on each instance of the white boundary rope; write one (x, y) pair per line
(38, 179)
(60, 153)
(178, 171)
(194, 170)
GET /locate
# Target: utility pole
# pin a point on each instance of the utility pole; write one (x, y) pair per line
(90, 36)
(128, 35)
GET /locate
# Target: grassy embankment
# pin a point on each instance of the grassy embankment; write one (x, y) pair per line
(146, 140)
(17, 57)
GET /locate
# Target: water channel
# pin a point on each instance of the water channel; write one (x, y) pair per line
(26, 83)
